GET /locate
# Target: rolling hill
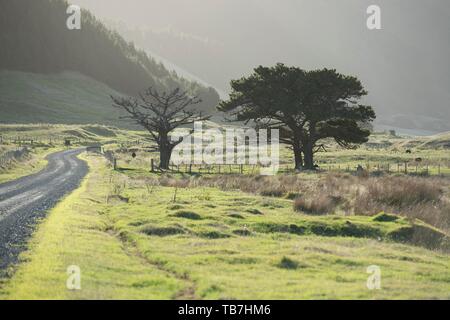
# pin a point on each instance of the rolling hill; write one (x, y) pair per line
(66, 98)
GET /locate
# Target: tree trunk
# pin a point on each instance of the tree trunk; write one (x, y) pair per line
(298, 156)
(309, 156)
(164, 157)
(165, 152)
(308, 147)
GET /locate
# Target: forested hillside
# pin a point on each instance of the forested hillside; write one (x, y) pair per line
(47, 46)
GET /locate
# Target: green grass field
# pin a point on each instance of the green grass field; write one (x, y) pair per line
(134, 237)
(132, 240)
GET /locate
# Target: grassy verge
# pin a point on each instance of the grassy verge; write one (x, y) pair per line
(133, 240)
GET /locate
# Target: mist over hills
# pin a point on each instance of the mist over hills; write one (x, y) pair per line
(404, 66)
(197, 56)
(34, 39)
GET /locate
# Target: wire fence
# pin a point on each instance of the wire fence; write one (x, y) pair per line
(392, 168)
(423, 167)
(370, 169)
(110, 157)
(62, 139)
(32, 140)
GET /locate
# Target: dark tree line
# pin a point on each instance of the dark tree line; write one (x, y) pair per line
(34, 38)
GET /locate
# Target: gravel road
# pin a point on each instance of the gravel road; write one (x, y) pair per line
(27, 199)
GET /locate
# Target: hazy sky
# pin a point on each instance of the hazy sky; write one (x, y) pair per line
(405, 66)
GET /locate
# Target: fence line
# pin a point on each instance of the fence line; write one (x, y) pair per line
(389, 167)
(380, 168)
(109, 155)
(31, 140)
(399, 167)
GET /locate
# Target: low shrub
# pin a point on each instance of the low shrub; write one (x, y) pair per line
(384, 217)
(287, 263)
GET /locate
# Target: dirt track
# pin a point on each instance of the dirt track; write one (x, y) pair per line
(27, 199)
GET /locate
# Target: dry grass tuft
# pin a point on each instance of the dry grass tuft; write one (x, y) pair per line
(322, 204)
(417, 197)
(402, 192)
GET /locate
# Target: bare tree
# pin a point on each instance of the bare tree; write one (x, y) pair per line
(160, 114)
